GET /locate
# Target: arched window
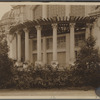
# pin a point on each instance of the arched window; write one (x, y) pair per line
(37, 12)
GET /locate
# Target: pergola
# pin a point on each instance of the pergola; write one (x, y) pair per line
(63, 25)
(51, 27)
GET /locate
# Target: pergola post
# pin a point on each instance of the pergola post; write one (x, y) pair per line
(44, 51)
(15, 47)
(87, 34)
(54, 62)
(54, 26)
(95, 34)
(38, 28)
(26, 45)
(67, 49)
(19, 46)
(72, 43)
(11, 45)
(11, 50)
(94, 28)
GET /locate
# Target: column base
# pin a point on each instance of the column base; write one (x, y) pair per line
(38, 64)
(54, 64)
(26, 64)
(19, 64)
(71, 64)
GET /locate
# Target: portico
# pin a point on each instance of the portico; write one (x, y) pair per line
(53, 40)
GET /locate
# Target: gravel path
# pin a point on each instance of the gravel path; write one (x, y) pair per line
(50, 94)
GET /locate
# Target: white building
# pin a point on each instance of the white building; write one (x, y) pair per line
(48, 34)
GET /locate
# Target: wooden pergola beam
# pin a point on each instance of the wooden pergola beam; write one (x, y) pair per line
(80, 21)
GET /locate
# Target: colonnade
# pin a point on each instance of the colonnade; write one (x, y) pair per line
(71, 38)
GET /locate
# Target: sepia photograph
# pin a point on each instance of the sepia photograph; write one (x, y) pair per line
(49, 50)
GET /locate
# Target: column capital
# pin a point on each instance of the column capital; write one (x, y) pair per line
(72, 25)
(38, 27)
(10, 37)
(18, 32)
(26, 30)
(54, 25)
(89, 25)
(94, 24)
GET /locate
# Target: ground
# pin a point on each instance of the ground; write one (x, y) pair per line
(50, 94)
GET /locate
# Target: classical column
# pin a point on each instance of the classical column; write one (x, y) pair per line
(11, 50)
(95, 33)
(44, 51)
(38, 43)
(10, 39)
(44, 11)
(54, 26)
(44, 15)
(67, 49)
(14, 47)
(8, 43)
(94, 28)
(19, 46)
(31, 54)
(72, 43)
(87, 34)
(26, 44)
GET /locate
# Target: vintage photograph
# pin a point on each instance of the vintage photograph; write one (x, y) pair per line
(50, 50)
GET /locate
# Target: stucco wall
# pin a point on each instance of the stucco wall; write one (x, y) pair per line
(55, 10)
(77, 10)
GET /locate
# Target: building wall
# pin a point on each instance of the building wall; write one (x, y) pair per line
(55, 10)
(31, 12)
(77, 10)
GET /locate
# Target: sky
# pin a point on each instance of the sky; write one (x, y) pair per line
(4, 8)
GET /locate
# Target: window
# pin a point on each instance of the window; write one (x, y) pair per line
(34, 45)
(61, 42)
(79, 39)
(49, 43)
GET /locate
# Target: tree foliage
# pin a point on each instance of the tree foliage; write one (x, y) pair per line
(5, 62)
(87, 65)
(88, 57)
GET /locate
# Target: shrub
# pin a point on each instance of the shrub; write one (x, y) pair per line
(39, 78)
(87, 66)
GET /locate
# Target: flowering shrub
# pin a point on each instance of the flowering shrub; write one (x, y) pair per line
(39, 77)
(49, 77)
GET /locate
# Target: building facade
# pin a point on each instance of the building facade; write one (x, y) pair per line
(48, 34)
